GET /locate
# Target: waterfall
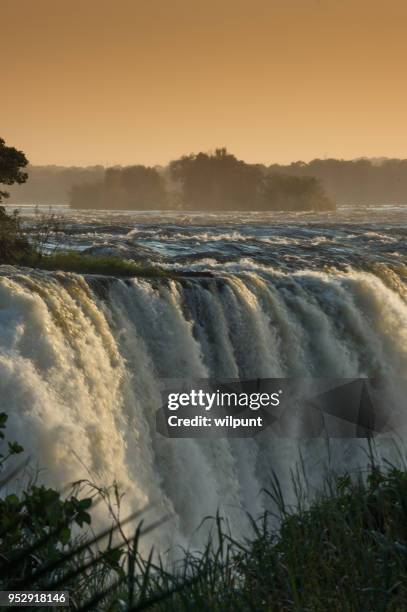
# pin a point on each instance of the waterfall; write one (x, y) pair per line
(81, 360)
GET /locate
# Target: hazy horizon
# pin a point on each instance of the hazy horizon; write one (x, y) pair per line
(374, 160)
(98, 83)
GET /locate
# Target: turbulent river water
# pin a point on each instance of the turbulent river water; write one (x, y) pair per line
(276, 295)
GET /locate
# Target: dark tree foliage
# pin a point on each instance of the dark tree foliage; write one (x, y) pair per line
(222, 182)
(358, 181)
(142, 185)
(13, 244)
(131, 188)
(12, 162)
(219, 181)
(284, 192)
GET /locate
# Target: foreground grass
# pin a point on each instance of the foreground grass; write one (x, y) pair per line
(347, 551)
(71, 261)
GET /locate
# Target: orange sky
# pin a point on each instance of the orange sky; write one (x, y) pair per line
(144, 81)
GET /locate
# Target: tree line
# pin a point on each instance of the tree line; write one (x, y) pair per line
(218, 180)
(359, 181)
(203, 181)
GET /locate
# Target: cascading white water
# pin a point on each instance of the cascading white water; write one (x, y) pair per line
(81, 362)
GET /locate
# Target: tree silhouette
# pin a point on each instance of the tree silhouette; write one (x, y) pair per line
(11, 163)
(12, 241)
(219, 181)
(132, 188)
(284, 192)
